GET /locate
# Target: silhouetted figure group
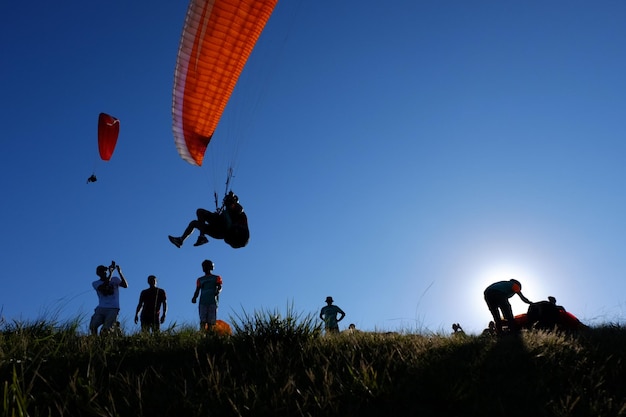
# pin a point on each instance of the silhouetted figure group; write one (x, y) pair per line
(152, 307)
(546, 315)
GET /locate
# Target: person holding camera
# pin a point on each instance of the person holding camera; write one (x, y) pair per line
(107, 289)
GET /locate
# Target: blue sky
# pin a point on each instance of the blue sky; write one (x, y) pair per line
(397, 156)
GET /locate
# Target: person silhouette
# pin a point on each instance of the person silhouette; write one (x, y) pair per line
(150, 302)
(208, 287)
(329, 314)
(497, 298)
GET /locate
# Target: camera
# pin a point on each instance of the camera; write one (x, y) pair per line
(112, 266)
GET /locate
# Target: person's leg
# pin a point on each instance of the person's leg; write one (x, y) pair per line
(207, 223)
(203, 312)
(507, 312)
(491, 298)
(211, 224)
(206, 216)
(194, 224)
(146, 324)
(110, 317)
(202, 223)
(96, 321)
(156, 324)
(212, 315)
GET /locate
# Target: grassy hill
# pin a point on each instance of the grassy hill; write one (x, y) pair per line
(284, 366)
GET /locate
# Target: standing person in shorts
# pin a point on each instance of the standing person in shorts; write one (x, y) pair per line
(108, 291)
(208, 287)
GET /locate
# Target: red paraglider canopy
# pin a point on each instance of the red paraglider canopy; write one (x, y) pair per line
(108, 130)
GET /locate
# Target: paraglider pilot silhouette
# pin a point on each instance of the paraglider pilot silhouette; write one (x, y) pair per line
(228, 222)
(497, 298)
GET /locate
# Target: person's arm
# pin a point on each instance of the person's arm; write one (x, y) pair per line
(138, 309)
(322, 314)
(524, 299)
(164, 311)
(195, 294)
(342, 315)
(124, 283)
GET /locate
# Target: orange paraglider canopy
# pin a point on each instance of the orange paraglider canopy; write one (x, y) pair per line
(108, 131)
(217, 39)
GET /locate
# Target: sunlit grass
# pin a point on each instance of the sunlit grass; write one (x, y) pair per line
(281, 364)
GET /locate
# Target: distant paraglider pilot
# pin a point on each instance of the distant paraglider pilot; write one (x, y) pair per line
(229, 223)
(329, 315)
(92, 178)
(497, 298)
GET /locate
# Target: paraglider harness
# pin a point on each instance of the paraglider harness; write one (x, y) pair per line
(543, 315)
(237, 233)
